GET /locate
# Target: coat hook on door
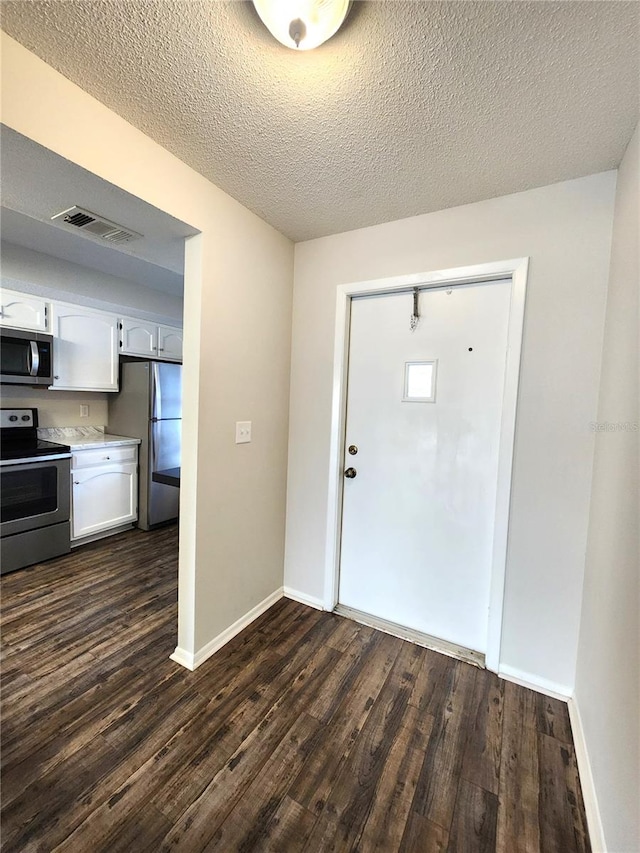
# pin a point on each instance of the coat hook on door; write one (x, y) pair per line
(415, 317)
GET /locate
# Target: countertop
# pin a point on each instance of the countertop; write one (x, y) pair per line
(169, 477)
(81, 438)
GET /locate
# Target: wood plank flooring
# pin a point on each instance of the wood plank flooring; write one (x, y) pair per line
(307, 732)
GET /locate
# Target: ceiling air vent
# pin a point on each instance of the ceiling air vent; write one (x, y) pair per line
(97, 226)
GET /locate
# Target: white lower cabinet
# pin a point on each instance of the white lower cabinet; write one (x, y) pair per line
(104, 491)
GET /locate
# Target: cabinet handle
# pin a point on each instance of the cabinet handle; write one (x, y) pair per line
(107, 457)
(56, 377)
(160, 349)
(76, 482)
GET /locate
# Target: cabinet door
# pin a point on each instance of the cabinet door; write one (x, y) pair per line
(103, 497)
(170, 343)
(138, 337)
(20, 311)
(85, 349)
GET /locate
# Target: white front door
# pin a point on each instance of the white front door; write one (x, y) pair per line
(424, 411)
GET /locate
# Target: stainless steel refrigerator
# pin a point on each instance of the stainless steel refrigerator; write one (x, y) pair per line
(149, 407)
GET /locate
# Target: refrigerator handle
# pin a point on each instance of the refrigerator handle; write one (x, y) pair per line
(156, 393)
(153, 446)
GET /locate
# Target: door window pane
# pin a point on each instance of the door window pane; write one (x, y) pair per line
(420, 382)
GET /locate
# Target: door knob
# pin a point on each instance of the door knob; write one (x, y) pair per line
(350, 473)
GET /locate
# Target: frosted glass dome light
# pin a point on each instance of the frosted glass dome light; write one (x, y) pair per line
(302, 24)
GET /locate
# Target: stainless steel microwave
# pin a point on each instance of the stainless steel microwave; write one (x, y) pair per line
(26, 358)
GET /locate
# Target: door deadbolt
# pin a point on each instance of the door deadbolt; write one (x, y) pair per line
(350, 473)
(353, 449)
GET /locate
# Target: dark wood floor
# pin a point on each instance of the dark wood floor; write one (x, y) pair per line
(307, 732)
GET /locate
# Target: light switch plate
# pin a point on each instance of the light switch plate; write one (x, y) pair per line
(243, 432)
(84, 410)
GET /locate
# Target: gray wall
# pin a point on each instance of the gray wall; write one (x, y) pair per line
(608, 671)
(566, 231)
(34, 272)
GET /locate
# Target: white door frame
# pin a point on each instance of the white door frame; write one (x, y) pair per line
(515, 270)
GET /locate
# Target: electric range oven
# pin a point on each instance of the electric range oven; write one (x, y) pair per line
(35, 492)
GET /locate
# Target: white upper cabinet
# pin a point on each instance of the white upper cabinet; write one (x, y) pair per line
(88, 342)
(21, 311)
(148, 340)
(85, 350)
(138, 337)
(169, 343)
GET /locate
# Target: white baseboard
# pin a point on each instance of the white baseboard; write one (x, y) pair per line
(594, 821)
(192, 661)
(183, 657)
(303, 598)
(534, 682)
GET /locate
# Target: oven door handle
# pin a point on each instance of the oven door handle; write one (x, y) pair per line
(34, 361)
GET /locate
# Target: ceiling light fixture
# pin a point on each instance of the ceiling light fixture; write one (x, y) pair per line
(302, 24)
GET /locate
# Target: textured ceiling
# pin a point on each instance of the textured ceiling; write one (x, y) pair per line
(411, 107)
(36, 184)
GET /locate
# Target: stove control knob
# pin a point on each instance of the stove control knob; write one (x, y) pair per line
(13, 417)
(26, 417)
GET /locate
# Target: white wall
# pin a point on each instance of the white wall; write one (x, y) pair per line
(237, 320)
(565, 229)
(58, 408)
(607, 689)
(35, 272)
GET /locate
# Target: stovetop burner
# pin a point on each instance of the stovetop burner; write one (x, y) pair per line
(19, 436)
(28, 449)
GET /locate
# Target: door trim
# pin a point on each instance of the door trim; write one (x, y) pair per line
(514, 270)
